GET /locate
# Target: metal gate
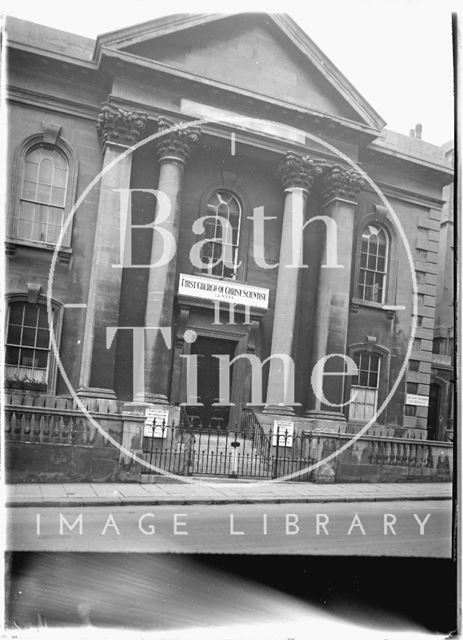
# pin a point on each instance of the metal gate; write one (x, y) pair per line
(244, 452)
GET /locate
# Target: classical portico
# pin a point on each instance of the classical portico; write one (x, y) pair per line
(156, 372)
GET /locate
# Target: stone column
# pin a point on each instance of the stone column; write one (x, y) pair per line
(118, 129)
(172, 150)
(340, 189)
(297, 175)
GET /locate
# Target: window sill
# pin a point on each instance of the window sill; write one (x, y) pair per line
(356, 303)
(202, 274)
(11, 244)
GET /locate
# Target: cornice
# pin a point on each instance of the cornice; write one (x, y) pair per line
(160, 68)
(256, 139)
(413, 197)
(107, 54)
(377, 147)
(136, 33)
(60, 57)
(51, 103)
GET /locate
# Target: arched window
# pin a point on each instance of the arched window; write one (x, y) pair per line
(222, 227)
(364, 387)
(44, 186)
(43, 195)
(27, 353)
(374, 254)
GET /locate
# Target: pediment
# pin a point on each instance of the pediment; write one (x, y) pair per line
(268, 55)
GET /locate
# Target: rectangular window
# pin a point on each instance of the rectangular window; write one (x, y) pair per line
(420, 277)
(410, 410)
(413, 365)
(412, 387)
(417, 344)
(363, 405)
(27, 342)
(439, 346)
(420, 297)
(364, 389)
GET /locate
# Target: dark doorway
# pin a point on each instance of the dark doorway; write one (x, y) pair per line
(433, 412)
(208, 416)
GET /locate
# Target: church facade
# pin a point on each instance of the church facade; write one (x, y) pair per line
(206, 219)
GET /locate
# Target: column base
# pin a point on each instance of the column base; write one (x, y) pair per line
(151, 398)
(275, 409)
(96, 392)
(326, 421)
(320, 414)
(98, 399)
(135, 408)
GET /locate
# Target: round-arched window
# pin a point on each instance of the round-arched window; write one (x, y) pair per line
(373, 263)
(222, 226)
(43, 194)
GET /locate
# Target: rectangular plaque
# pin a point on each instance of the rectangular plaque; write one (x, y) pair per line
(223, 291)
(418, 401)
(285, 430)
(154, 418)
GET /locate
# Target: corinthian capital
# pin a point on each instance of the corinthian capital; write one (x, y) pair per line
(176, 144)
(340, 182)
(298, 171)
(119, 125)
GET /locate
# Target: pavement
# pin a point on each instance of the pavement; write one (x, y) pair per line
(211, 491)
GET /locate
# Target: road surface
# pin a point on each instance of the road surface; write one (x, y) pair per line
(408, 528)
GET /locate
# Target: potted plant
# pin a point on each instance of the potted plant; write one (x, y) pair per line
(14, 383)
(30, 384)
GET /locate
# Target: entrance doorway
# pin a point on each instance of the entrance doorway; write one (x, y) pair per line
(208, 416)
(433, 411)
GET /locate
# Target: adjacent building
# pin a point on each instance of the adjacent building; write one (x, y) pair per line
(441, 396)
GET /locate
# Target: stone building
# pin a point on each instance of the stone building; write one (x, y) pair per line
(441, 395)
(232, 118)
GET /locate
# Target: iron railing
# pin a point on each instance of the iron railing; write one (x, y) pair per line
(184, 451)
(250, 452)
(250, 424)
(244, 452)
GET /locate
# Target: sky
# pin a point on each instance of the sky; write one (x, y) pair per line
(397, 53)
